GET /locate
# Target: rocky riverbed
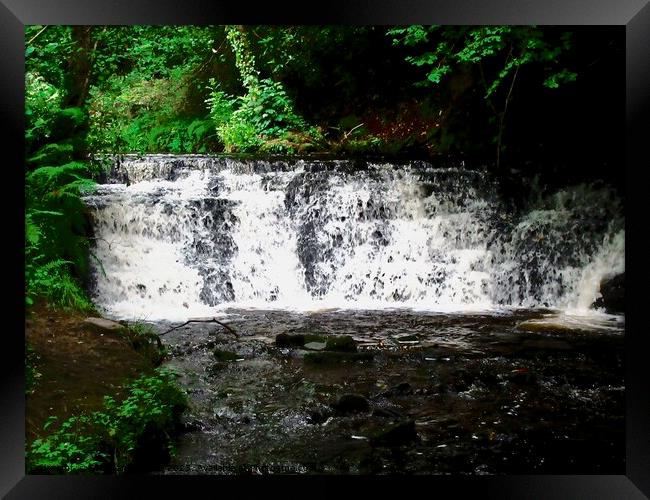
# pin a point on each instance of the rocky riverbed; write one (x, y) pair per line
(368, 392)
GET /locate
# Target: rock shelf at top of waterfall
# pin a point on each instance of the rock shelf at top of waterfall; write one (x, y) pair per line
(181, 236)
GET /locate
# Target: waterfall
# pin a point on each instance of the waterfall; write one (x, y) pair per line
(186, 236)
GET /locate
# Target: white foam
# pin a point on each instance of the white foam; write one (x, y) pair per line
(434, 252)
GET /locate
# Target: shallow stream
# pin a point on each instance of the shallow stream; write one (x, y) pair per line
(469, 394)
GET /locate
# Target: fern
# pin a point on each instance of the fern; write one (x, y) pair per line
(53, 281)
(71, 177)
(56, 246)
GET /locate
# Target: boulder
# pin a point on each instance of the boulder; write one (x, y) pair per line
(103, 325)
(341, 343)
(612, 295)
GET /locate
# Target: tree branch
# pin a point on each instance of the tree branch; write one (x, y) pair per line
(201, 320)
(36, 35)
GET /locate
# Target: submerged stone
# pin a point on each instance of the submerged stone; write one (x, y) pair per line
(315, 346)
(341, 343)
(543, 326)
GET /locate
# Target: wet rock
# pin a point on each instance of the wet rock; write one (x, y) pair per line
(328, 357)
(221, 355)
(395, 435)
(341, 343)
(612, 293)
(310, 337)
(286, 340)
(103, 325)
(315, 346)
(351, 403)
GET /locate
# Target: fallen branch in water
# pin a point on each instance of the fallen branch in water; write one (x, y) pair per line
(201, 320)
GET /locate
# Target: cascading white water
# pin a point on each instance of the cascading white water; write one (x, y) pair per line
(187, 236)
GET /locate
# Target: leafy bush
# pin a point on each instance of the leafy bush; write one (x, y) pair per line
(42, 103)
(263, 119)
(122, 437)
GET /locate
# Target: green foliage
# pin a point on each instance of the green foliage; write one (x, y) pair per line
(263, 119)
(134, 114)
(496, 53)
(244, 58)
(55, 234)
(46, 48)
(53, 154)
(116, 438)
(555, 80)
(42, 103)
(70, 450)
(53, 281)
(31, 369)
(504, 49)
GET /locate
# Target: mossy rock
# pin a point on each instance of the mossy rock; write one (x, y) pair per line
(333, 358)
(341, 343)
(220, 355)
(286, 340)
(540, 326)
(310, 337)
(297, 340)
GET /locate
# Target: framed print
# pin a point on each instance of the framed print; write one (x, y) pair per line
(381, 245)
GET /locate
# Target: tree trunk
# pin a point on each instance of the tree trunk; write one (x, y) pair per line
(80, 65)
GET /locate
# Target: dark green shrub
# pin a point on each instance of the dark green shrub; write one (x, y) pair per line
(131, 435)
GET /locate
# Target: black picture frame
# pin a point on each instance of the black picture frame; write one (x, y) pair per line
(633, 15)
